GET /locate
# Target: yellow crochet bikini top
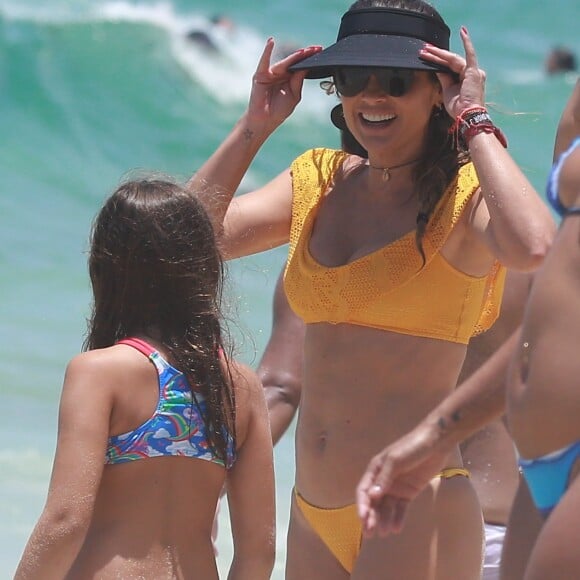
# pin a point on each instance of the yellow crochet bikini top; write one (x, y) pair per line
(388, 288)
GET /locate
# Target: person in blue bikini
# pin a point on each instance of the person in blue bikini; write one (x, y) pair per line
(544, 389)
(155, 417)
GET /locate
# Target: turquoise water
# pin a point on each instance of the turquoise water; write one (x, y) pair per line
(90, 90)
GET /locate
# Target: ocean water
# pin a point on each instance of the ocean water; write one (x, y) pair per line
(92, 89)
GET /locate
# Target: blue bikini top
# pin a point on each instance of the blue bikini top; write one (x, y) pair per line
(553, 183)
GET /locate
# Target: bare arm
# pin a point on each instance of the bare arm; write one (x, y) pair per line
(513, 224)
(250, 484)
(569, 125)
(568, 130)
(275, 93)
(78, 465)
(402, 470)
(520, 228)
(280, 369)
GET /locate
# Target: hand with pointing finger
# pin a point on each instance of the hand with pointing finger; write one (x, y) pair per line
(275, 90)
(469, 91)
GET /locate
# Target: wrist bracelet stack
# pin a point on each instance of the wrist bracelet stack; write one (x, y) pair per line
(471, 122)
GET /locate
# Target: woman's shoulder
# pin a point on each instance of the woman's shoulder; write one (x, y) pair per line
(320, 157)
(314, 170)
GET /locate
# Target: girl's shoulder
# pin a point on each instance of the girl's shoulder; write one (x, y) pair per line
(245, 381)
(109, 367)
(249, 396)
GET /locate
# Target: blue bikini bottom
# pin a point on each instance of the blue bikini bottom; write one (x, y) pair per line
(548, 476)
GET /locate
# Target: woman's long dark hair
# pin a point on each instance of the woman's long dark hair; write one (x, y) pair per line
(156, 271)
(440, 160)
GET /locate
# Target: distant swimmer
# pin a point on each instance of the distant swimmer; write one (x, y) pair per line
(560, 60)
(205, 39)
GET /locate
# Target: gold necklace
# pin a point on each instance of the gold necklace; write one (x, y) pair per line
(387, 170)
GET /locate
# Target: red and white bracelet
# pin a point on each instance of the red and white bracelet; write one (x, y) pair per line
(471, 122)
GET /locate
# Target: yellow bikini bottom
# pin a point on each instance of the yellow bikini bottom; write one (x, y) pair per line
(340, 528)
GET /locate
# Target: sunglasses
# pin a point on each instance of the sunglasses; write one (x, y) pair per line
(352, 80)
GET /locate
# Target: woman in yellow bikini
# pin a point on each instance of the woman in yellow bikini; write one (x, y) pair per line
(395, 261)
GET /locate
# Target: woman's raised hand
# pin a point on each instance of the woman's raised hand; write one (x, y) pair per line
(275, 90)
(469, 90)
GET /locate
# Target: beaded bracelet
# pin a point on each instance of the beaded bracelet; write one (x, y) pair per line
(471, 122)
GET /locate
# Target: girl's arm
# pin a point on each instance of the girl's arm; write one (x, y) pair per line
(250, 485)
(274, 96)
(83, 429)
(513, 223)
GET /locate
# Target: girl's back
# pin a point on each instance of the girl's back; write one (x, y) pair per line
(150, 428)
(153, 512)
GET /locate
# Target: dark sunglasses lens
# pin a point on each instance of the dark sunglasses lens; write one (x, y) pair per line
(351, 81)
(397, 87)
(396, 82)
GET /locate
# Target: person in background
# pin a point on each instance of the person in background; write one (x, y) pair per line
(544, 398)
(205, 38)
(395, 262)
(154, 417)
(560, 59)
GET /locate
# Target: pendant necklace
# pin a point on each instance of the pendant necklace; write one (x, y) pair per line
(387, 170)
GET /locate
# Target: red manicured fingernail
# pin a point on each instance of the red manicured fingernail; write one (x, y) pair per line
(464, 30)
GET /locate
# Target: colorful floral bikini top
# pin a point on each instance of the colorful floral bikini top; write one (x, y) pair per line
(389, 288)
(176, 427)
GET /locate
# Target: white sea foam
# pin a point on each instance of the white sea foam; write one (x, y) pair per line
(225, 73)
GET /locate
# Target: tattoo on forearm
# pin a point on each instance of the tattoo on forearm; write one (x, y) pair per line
(248, 134)
(455, 418)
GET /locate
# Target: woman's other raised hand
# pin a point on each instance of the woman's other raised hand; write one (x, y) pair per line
(275, 90)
